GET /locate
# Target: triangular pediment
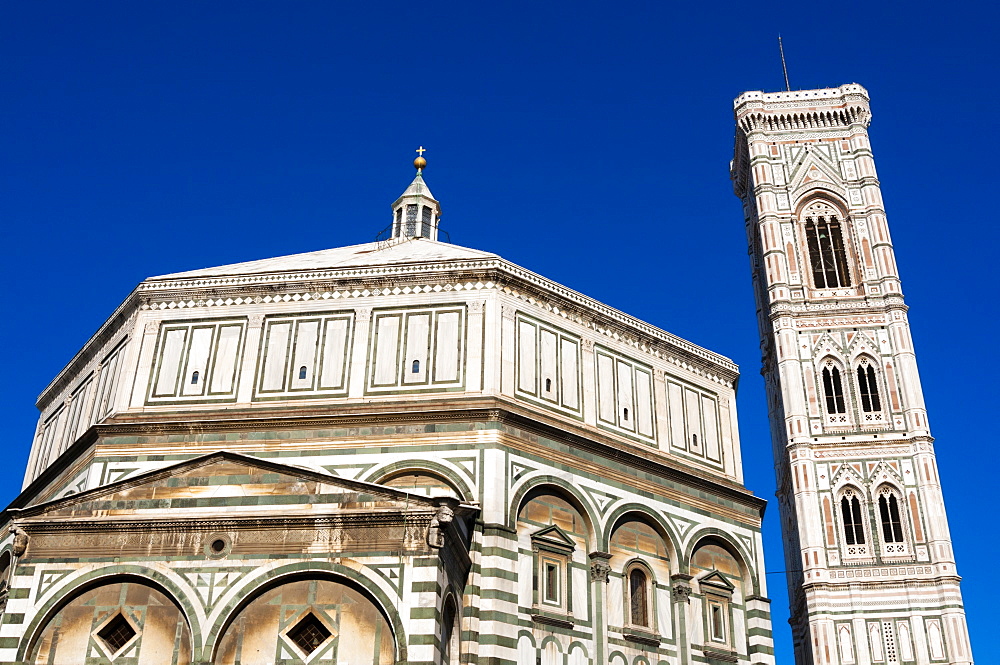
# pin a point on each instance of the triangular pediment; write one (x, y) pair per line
(826, 344)
(228, 484)
(553, 535)
(810, 165)
(814, 170)
(717, 580)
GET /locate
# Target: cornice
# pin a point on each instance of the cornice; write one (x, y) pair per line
(859, 306)
(416, 515)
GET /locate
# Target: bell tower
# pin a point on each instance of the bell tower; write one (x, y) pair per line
(871, 572)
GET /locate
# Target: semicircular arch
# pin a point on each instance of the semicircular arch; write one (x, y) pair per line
(72, 588)
(712, 535)
(253, 588)
(645, 514)
(447, 474)
(536, 485)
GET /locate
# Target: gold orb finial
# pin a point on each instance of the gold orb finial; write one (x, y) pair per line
(420, 162)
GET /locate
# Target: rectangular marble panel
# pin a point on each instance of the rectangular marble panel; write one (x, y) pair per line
(644, 402)
(197, 361)
(304, 355)
(675, 412)
(335, 350)
(317, 342)
(108, 384)
(212, 348)
(626, 410)
(433, 337)
(548, 380)
(527, 361)
(569, 376)
(625, 394)
(386, 349)
(448, 347)
(692, 402)
(708, 411)
(606, 388)
(416, 348)
(226, 358)
(170, 361)
(276, 356)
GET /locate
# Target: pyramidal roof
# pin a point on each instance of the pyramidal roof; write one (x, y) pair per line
(410, 250)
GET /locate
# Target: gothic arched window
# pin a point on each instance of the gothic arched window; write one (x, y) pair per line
(825, 240)
(850, 509)
(868, 387)
(638, 596)
(888, 511)
(833, 389)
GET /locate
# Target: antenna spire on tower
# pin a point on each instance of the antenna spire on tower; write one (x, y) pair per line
(784, 67)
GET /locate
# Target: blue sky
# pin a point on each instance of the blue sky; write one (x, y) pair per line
(586, 141)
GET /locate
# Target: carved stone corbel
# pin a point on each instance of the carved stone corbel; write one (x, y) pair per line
(680, 588)
(600, 567)
(439, 523)
(20, 545)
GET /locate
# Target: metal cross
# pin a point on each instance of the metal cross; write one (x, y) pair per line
(420, 151)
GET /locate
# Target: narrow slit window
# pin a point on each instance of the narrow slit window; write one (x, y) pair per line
(718, 623)
(827, 258)
(833, 390)
(625, 412)
(854, 532)
(552, 582)
(415, 367)
(694, 440)
(888, 508)
(302, 372)
(194, 377)
(548, 385)
(638, 594)
(868, 388)
(411, 220)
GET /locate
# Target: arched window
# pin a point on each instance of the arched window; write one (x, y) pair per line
(415, 368)
(625, 412)
(638, 595)
(548, 385)
(642, 551)
(850, 509)
(888, 511)
(833, 389)
(194, 378)
(868, 387)
(827, 258)
(302, 372)
(449, 634)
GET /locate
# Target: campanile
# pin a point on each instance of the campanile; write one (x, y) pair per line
(872, 576)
